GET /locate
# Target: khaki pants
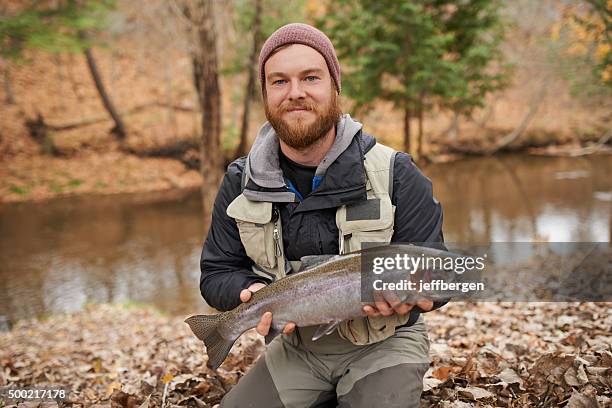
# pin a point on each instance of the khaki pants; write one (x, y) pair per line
(297, 373)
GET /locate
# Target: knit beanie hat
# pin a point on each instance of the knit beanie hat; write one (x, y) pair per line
(298, 33)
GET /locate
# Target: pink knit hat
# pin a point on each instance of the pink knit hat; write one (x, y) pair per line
(298, 33)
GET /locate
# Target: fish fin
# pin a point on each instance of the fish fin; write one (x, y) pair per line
(311, 261)
(206, 328)
(272, 333)
(325, 329)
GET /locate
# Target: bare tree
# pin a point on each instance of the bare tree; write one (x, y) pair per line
(421, 142)
(407, 136)
(250, 88)
(520, 129)
(200, 20)
(119, 128)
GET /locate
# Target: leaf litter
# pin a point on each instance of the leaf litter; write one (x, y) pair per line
(493, 354)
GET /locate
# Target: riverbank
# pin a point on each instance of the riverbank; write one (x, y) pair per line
(504, 354)
(43, 177)
(40, 177)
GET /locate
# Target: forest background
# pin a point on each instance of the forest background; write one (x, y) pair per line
(107, 96)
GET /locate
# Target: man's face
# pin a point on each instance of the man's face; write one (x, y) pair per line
(300, 98)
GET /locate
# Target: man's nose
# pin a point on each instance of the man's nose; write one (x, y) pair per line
(295, 90)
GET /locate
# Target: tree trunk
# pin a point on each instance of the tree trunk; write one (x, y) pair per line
(420, 131)
(250, 89)
(102, 118)
(488, 114)
(407, 130)
(209, 92)
(516, 133)
(453, 130)
(119, 128)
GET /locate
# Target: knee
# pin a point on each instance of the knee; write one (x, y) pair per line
(256, 389)
(396, 386)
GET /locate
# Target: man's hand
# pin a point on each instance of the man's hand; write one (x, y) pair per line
(266, 319)
(386, 303)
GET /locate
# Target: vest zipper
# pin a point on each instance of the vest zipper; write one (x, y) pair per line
(276, 235)
(277, 238)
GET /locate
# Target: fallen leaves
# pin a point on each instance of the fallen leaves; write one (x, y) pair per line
(483, 354)
(474, 393)
(520, 354)
(114, 356)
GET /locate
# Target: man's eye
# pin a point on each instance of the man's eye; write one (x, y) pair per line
(278, 82)
(311, 78)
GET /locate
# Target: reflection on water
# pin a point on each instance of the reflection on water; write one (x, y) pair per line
(61, 255)
(517, 198)
(58, 256)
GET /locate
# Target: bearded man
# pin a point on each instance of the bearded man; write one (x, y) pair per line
(315, 183)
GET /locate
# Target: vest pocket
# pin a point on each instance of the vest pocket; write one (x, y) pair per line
(369, 330)
(358, 238)
(258, 241)
(257, 230)
(366, 221)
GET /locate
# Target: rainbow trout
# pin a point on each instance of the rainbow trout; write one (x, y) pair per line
(325, 292)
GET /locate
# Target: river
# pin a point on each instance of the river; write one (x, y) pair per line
(58, 256)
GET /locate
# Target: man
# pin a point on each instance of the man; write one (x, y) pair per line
(314, 183)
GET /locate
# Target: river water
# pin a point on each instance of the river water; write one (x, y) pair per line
(60, 255)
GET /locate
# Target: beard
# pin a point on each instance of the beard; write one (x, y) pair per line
(297, 133)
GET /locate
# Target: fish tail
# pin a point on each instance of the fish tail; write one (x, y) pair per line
(206, 328)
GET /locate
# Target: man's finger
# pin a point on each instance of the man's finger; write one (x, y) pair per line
(264, 324)
(403, 308)
(245, 295)
(289, 328)
(394, 301)
(384, 308)
(425, 304)
(370, 311)
(382, 305)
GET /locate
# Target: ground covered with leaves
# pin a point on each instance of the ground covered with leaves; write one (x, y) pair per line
(482, 354)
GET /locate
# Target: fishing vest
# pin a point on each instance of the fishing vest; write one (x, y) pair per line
(370, 221)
